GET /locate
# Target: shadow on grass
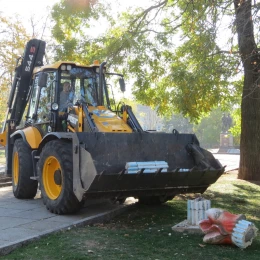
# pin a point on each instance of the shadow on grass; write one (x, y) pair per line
(142, 216)
(239, 198)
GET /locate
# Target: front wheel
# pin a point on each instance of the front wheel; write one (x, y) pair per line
(22, 171)
(56, 178)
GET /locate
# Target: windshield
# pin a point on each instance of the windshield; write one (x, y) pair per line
(79, 84)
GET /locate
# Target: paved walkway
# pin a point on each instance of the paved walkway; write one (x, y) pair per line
(231, 161)
(2, 168)
(22, 221)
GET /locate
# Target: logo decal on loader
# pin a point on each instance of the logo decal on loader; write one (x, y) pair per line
(72, 119)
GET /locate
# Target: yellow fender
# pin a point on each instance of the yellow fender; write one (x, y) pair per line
(3, 138)
(31, 135)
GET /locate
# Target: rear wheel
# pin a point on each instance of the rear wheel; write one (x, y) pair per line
(22, 170)
(56, 178)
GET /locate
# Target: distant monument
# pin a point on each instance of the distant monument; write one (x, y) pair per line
(226, 123)
(226, 138)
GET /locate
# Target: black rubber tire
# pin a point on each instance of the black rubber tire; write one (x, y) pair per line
(23, 187)
(154, 200)
(66, 202)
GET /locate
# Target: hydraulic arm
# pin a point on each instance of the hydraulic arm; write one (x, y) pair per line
(19, 94)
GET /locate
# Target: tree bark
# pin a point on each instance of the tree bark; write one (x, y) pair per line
(249, 168)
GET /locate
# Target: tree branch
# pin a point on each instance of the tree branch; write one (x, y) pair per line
(228, 52)
(143, 15)
(151, 30)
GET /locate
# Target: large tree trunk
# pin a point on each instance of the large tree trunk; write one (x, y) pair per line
(249, 168)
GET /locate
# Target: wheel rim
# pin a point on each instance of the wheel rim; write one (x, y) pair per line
(15, 168)
(51, 165)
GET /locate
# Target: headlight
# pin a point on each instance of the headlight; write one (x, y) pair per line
(54, 106)
(63, 67)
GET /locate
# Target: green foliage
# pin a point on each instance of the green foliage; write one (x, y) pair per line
(178, 122)
(209, 129)
(169, 51)
(148, 118)
(75, 21)
(236, 116)
(236, 128)
(13, 37)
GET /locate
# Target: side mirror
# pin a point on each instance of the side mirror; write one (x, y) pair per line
(42, 81)
(122, 84)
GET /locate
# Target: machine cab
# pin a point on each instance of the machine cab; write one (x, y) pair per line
(57, 88)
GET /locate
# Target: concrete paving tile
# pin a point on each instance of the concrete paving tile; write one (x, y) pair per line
(7, 192)
(6, 189)
(6, 195)
(43, 225)
(4, 204)
(36, 214)
(8, 201)
(6, 212)
(13, 200)
(17, 233)
(23, 205)
(64, 219)
(9, 222)
(3, 242)
(32, 201)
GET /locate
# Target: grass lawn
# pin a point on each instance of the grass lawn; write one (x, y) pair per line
(145, 232)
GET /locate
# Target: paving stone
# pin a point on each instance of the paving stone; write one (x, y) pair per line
(44, 225)
(9, 222)
(17, 233)
(6, 212)
(23, 205)
(36, 213)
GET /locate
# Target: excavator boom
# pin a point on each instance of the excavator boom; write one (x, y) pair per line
(20, 93)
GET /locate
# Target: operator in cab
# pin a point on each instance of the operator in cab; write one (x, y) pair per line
(65, 96)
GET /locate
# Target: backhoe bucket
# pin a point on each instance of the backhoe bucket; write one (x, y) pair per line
(104, 160)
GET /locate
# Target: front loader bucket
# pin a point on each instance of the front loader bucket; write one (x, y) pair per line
(103, 158)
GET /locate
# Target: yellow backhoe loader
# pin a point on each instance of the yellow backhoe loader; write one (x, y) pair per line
(62, 135)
